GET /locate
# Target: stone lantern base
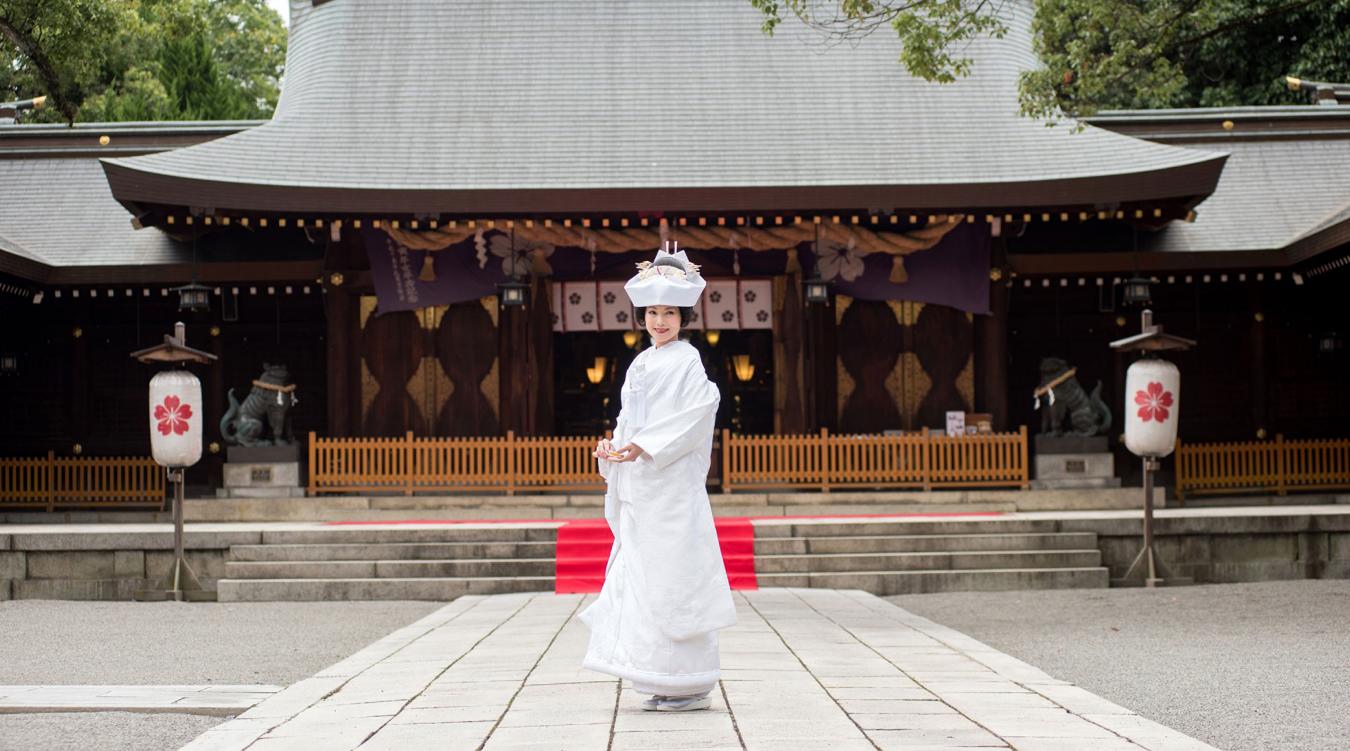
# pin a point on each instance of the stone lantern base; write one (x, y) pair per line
(263, 472)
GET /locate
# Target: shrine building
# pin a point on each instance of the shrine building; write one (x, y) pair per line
(433, 231)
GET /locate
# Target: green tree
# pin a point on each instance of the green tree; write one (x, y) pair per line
(55, 47)
(109, 60)
(1110, 54)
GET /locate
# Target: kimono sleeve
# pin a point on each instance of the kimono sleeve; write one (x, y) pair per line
(681, 410)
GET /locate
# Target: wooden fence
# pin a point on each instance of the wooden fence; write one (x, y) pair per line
(923, 460)
(512, 464)
(47, 483)
(450, 465)
(1276, 466)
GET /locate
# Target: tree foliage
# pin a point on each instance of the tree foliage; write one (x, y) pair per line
(111, 60)
(1111, 54)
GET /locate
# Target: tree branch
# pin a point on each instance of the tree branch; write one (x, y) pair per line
(28, 47)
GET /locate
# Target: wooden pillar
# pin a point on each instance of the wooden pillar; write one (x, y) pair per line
(1260, 364)
(513, 335)
(821, 368)
(790, 408)
(344, 412)
(541, 357)
(991, 345)
(214, 409)
(80, 385)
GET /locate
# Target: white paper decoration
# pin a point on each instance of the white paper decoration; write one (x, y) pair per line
(580, 309)
(616, 310)
(555, 295)
(1152, 396)
(756, 304)
(721, 304)
(176, 418)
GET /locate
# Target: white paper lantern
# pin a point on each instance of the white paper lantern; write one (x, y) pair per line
(1152, 397)
(176, 418)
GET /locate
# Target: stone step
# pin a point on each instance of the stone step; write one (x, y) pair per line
(311, 590)
(391, 551)
(937, 561)
(374, 534)
(953, 526)
(926, 543)
(884, 583)
(488, 567)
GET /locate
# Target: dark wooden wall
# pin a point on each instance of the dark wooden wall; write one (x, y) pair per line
(87, 390)
(1257, 370)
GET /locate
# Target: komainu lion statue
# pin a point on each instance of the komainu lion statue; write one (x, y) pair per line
(1061, 394)
(266, 406)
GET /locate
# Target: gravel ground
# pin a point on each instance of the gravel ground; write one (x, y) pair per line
(47, 642)
(1239, 666)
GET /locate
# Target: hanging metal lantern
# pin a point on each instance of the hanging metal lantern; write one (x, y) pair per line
(817, 290)
(176, 418)
(1152, 399)
(1137, 291)
(513, 293)
(193, 298)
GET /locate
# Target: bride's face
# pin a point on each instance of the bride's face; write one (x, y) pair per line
(663, 323)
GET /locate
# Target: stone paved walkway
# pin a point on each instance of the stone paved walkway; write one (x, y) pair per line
(804, 669)
(209, 699)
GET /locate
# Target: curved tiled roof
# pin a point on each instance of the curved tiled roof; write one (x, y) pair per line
(58, 212)
(538, 106)
(1285, 187)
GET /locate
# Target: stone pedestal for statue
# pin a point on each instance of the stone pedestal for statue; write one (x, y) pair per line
(1073, 461)
(262, 472)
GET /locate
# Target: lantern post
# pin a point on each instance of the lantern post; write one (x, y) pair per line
(176, 443)
(1152, 396)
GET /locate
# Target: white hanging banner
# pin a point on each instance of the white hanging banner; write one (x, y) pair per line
(580, 312)
(176, 418)
(1152, 396)
(555, 294)
(616, 310)
(721, 304)
(756, 304)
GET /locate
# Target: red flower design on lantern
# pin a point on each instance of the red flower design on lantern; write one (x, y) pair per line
(1153, 403)
(173, 416)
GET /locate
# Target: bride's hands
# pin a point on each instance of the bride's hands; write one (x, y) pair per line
(630, 453)
(603, 449)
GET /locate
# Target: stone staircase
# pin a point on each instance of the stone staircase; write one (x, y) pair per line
(424, 563)
(914, 557)
(884, 557)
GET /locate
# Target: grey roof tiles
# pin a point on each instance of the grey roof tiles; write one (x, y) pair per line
(450, 98)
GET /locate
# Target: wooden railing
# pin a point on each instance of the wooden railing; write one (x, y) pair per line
(450, 465)
(1276, 466)
(923, 460)
(47, 483)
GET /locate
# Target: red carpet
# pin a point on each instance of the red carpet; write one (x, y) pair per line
(584, 544)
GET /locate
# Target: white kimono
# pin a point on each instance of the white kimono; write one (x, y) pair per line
(665, 596)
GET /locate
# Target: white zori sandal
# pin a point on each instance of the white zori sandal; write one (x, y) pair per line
(683, 703)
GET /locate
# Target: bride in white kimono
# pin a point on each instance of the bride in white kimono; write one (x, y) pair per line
(665, 595)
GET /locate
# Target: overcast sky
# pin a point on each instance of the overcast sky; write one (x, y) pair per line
(283, 7)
